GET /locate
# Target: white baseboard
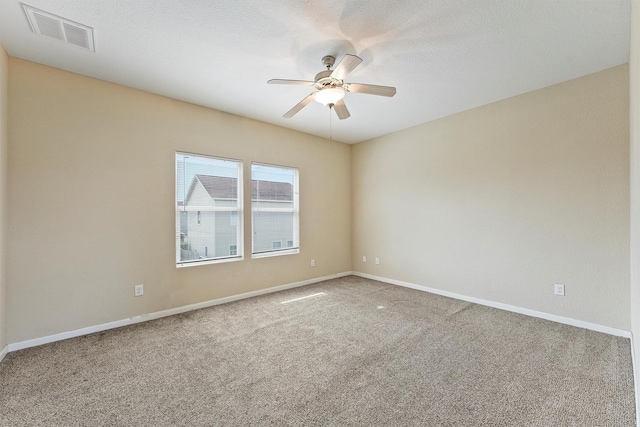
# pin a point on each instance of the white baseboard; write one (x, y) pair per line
(170, 312)
(159, 314)
(506, 307)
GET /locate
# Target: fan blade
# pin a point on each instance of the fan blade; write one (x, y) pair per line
(299, 106)
(347, 65)
(289, 82)
(370, 89)
(341, 110)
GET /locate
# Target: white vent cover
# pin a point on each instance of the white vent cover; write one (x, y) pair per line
(47, 24)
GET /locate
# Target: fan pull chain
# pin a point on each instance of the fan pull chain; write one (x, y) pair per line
(330, 134)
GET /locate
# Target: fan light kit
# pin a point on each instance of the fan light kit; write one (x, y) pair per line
(331, 88)
(329, 96)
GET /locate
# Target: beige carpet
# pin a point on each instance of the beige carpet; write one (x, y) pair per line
(353, 352)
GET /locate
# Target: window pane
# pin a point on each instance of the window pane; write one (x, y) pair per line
(274, 208)
(209, 200)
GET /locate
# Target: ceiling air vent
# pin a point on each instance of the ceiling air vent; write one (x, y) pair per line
(46, 24)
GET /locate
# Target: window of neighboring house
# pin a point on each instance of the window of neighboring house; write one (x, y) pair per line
(208, 198)
(274, 210)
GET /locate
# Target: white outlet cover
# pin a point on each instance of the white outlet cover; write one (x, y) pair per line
(377, 260)
(138, 290)
(364, 258)
(558, 289)
(313, 263)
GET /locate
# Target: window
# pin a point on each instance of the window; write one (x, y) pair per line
(274, 210)
(208, 205)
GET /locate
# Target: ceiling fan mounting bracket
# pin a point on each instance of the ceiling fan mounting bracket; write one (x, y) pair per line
(328, 61)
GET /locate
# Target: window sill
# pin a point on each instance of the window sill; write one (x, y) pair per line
(208, 262)
(276, 253)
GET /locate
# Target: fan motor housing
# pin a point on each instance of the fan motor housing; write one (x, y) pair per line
(323, 79)
(323, 75)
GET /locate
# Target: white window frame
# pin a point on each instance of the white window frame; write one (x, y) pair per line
(296, 217)
(240, 223)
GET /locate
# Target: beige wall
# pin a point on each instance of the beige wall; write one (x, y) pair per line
(634, 91)
(4, 140)
(91, 201)
(505, 200)
(497, 203)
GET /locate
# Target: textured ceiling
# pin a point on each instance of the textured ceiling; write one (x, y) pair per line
(444, 56)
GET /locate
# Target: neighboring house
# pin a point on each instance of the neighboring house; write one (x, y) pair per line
(209, 217)
(272, 215)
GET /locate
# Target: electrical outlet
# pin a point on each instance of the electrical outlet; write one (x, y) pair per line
(558, 289)
(377, 260)
(364, 258)
(313, 263)
(138, 290)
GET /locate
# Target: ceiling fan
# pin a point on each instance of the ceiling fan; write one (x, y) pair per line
(331, 88)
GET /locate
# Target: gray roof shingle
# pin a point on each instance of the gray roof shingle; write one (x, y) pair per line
(219, 187)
